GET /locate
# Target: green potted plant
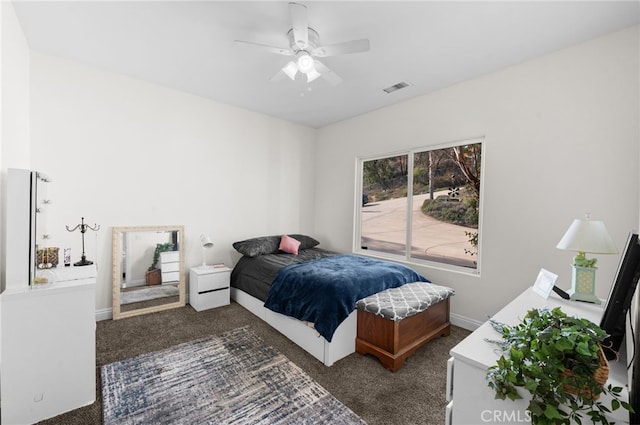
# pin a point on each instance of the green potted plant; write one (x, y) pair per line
(153, 275)
(558, 359)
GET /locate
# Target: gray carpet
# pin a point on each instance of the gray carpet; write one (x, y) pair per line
(233, 378)
(413, 395)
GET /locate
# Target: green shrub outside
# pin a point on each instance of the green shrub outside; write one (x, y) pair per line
(463, 212)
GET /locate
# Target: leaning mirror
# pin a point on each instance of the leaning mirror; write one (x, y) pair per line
(148, 269)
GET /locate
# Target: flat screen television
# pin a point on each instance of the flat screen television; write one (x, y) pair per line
(620, 296)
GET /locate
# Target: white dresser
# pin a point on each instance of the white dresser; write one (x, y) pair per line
(170, 266)
(472, 402)
(48, 347)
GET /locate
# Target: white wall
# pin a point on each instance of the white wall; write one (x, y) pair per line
(14, 106)
(122, 152)
(562, 139)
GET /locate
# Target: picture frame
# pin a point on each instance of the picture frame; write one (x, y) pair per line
(544, 283)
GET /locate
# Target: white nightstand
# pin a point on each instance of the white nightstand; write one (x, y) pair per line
(209, 287)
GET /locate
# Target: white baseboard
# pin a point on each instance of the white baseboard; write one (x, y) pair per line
(104, 314)
(464, 322)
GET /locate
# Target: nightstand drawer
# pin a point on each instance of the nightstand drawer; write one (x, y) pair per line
(213, 281)
(212, 299)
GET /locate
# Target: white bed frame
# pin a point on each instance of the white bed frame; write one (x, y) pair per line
(301, 333)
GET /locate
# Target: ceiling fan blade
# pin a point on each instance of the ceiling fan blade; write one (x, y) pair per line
(272, 49)
(279, 76)
(300, 24)
(354, 46)
(333, 78)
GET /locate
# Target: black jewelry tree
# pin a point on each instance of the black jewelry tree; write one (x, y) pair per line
(83, 229)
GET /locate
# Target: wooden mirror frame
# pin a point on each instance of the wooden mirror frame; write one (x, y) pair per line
(116, 235)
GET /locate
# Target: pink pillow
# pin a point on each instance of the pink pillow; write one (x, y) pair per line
(289, 244)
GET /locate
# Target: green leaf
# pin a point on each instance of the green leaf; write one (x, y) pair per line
(513, 395)
(615, 404)
(535, 408)
(531, 386)
(627, 406)
(564, 345)
(583, 348)
(516, 355)
(551, 412)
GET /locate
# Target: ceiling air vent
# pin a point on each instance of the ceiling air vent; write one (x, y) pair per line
(397, 86)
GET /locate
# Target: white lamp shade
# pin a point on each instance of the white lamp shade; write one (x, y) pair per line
(588, 236)
(206, 241)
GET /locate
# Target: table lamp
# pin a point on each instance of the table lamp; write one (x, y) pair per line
(206, 244)
(586, 236)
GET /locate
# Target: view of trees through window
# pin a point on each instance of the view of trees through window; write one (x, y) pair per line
(444, 205)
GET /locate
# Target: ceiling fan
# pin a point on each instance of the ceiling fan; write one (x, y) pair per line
(303, 45)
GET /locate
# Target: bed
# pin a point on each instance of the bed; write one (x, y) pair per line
(309, 293)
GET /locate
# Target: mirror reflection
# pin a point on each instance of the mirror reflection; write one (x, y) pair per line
(148, 271)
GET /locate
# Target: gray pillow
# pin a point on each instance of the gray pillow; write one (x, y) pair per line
(306, 242)
(270, 245)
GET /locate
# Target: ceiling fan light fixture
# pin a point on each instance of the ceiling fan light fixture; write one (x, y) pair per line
(290, 69)
(305, 62)
(304, 49)
(312, 75)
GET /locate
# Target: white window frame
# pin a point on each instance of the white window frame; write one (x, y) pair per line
(407, 258)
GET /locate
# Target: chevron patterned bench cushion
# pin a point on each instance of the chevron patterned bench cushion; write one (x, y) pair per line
(398, 303)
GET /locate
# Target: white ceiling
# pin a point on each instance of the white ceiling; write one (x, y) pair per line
(188, 45)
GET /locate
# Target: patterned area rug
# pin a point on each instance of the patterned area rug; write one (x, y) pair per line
(233, 378)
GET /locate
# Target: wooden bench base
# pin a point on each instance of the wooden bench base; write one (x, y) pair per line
(392, 342)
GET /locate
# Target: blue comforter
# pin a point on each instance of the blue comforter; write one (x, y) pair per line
(325, 291)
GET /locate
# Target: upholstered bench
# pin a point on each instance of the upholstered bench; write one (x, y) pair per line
(394, 323)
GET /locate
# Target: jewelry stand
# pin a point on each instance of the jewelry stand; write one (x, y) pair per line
(83, 229)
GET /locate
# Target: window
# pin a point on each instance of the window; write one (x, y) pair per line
(439, 222)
